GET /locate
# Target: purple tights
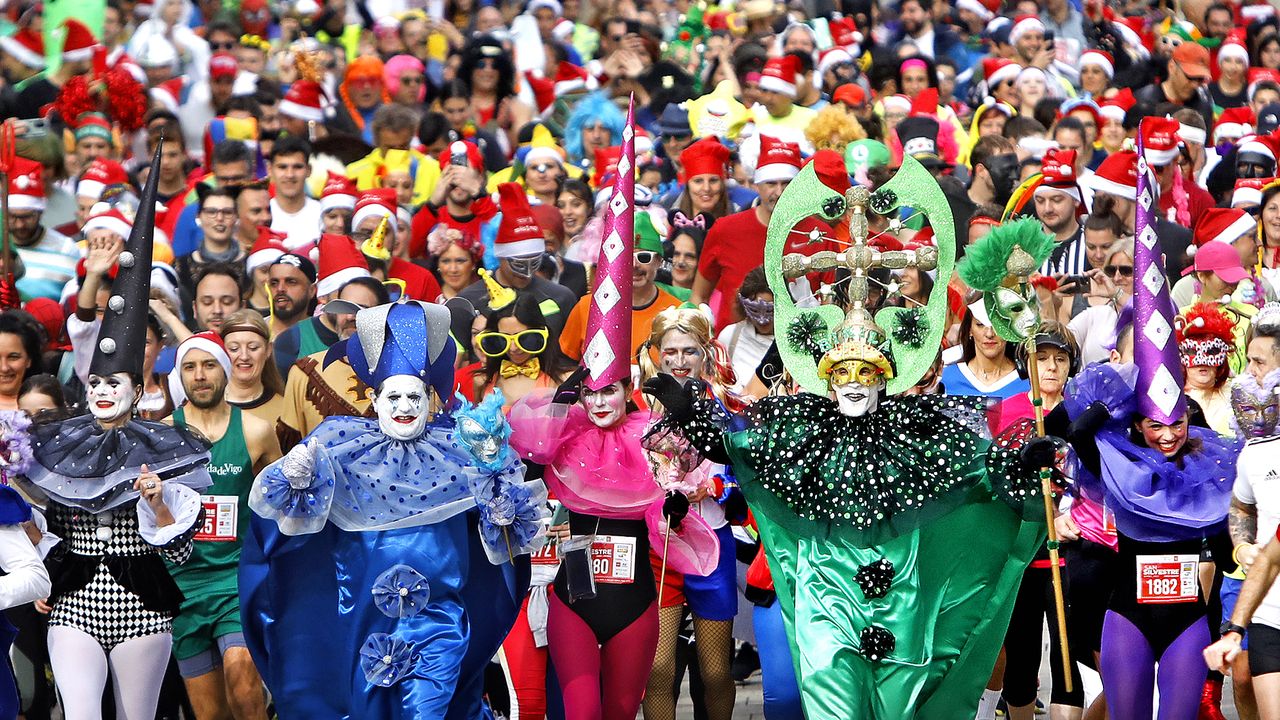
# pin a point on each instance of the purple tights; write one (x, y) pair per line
(601, 682)
(1129, 675)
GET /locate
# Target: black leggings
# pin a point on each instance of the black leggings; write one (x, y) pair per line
(1034, 604)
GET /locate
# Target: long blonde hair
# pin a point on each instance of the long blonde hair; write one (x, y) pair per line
(697, 324)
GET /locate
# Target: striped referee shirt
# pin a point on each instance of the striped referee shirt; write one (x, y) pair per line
(1068, 257)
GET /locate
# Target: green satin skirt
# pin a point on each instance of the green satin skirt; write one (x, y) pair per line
(947, 608)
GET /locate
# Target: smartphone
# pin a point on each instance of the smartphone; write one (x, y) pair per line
(458, 153)
(1049, 37)
(1080, 284)
(34, 128)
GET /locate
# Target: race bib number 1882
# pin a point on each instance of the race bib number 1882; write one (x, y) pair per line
(1166, 579)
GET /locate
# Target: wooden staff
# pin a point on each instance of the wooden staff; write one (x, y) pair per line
(1037, 404)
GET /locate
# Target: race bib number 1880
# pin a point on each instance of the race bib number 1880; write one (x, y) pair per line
(613, 559)
(1167, 579)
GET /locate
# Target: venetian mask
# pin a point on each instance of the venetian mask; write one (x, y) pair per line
(401, 404)
(110, 397)
(1015, 310)
(857, 385)
(483, 429)
(1256, 412)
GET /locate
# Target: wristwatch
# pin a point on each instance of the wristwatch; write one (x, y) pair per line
(1228, 626)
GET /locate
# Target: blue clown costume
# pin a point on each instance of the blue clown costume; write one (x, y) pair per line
(380, 575)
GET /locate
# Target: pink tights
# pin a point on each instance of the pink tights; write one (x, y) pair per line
(601, 682)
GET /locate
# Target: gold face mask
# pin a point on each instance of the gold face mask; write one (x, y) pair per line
(859, 371)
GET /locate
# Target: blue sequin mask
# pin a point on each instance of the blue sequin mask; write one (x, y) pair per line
(483, 429)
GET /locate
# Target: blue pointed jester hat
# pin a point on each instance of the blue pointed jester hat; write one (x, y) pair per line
(402, 338)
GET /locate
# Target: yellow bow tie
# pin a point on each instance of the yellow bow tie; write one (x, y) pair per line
(531, 369)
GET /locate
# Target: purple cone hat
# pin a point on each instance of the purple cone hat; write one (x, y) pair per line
(1155, 350)
(608, 353)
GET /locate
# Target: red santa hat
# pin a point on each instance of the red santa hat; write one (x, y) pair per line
(379, 203)
(1224, 225)
(705, 157)
(778, 160)
(1115, 107)
(101, 174)
(1259, 74)
(1233, 49)
(108, 219)
(830, 168)
(339, 192)
(1248, 191)
(544, 91)
(570, 79)
(1101, 59)
(1264, 145)
(208, 341)
(26, 46)
(462, 147)
(1058, 171)
(304, 101)
(266, 249)
(832, 57)
(79, 41)
(1160, 140)
(844, 33)
(26, 185)
(984, 13)
(340, 263)
(780, 75)
(996, 70)
(1233, 124)
(1022, 25)
(1118, 175)
(519, 234)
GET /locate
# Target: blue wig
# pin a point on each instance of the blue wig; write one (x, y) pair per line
(595, 108)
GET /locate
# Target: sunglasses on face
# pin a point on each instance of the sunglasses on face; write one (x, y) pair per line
(222, 46)
(1121, 270)
(498, 344)
(644, 257)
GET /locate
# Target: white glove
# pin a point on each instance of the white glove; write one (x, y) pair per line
(802, 293)
(299, 465)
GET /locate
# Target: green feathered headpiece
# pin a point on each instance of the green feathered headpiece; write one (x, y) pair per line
(1000, 263)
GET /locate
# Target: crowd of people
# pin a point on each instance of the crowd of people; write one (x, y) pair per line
(274, 267)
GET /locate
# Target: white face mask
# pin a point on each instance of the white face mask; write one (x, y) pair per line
(402, 408)
(855, 399)
(110, 397)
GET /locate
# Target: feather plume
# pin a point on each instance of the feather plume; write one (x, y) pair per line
(984, 266)
(809, 334)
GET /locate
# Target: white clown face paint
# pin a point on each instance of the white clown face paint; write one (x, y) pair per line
(402, 407)
(111, 397)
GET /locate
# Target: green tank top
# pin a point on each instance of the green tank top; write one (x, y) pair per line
(216, 549)
(309, 341)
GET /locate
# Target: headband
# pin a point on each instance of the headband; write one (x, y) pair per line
(913, 63)
(228, 329)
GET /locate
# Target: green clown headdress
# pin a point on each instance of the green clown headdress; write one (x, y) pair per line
(902, 341)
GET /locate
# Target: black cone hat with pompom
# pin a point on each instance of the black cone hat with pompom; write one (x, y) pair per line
(123, 334)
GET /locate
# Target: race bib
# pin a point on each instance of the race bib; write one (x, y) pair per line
(1165, 579)
(221, 518)
(613, 559)
(548, 555)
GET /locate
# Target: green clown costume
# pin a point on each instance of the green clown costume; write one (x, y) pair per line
(896, 528)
